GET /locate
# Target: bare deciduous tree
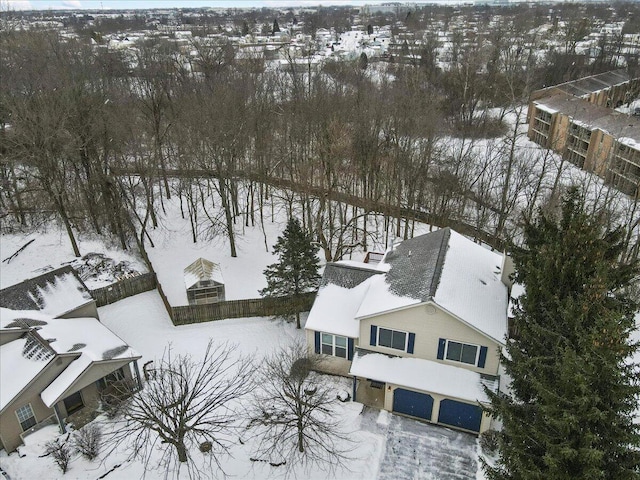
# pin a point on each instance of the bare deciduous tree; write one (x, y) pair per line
(292, 416)
(186, 404)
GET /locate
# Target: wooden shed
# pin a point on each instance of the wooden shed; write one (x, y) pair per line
(204, 282)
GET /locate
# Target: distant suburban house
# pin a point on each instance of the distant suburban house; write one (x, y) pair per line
(57, 361)
(421, 331)
(204, 282)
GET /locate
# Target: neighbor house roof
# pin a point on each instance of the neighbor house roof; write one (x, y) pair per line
(55, 293)
(442, 267)
(201, 270)
(23, 359)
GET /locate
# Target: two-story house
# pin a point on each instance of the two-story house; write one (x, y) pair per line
(420, 332)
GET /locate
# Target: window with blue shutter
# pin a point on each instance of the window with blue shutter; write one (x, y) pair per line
(462, 352)
(374, 336)
(317, 342)
(483, 357)
(350, 349)
(412, 341)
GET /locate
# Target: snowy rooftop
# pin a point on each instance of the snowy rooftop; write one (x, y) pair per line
(201, 270)
(18, 367)
(445, 267)
(425, 375)
(471, 288)
(87, 338)
(592, 116)
(54, 293)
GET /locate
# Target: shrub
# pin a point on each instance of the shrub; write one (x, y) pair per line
(60, 452)
(87, 441)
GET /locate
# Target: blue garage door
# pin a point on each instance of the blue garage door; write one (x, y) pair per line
(412, 403)
(461, 415)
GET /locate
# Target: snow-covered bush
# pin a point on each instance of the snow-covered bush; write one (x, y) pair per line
(60, 452)
(88, 440)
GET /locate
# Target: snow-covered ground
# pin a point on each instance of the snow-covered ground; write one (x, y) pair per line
(50, 249)
(143, 321)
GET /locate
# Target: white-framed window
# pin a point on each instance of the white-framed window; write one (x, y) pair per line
(396, 339)
(334, 345)
(462, 352)
(26, 417)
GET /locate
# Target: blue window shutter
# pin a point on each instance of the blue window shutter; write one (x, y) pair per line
(412, 341)
(349, 348)
(317, 342)
(374, 335)
(441, 344)
(483, 357)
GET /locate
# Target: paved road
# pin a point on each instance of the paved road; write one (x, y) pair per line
(420, 451)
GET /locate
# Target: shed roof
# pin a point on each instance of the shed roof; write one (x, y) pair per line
(201, 270)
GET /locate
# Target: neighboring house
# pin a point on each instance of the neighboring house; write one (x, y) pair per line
(59, 293)
(54, 361)
(204, 282)
(421, 331)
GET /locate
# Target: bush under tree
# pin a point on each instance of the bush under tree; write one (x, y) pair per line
(574, 386)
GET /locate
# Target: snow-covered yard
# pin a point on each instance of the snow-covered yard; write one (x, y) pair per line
(143, 322)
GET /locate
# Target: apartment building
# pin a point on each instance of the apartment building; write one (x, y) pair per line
(576, 119)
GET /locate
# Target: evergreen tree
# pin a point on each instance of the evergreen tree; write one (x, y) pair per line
(574, 389)
(297, 269)
(276, 27)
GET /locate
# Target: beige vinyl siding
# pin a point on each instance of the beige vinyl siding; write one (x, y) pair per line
(9, 426)
(330, 364)
(430, 323)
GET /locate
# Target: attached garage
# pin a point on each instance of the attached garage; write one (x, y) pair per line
(412, 403)
(460, 415)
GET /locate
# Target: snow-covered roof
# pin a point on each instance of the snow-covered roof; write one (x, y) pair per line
(55, 293)
(201, 270)
(471, 288)
(425, 375)
(334, 310)
(18, 368)
(443, 267)
(87, 338)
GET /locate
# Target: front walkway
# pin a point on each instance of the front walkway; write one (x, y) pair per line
(419, 451)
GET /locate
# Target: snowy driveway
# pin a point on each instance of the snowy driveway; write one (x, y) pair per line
(419, 451)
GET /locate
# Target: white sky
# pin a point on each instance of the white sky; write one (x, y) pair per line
(147, 4)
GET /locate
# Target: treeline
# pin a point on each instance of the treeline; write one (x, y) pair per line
(411, 137)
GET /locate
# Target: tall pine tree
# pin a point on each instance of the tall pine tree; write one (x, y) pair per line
(297, 269)
(574, 389)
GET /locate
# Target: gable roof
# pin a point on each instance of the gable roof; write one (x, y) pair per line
(24, 358)
(201, 270)
(55, 293)
(342, 289)
(443, 267)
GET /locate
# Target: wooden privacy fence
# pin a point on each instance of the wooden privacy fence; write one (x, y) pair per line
(252, 307)
(124, 288)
